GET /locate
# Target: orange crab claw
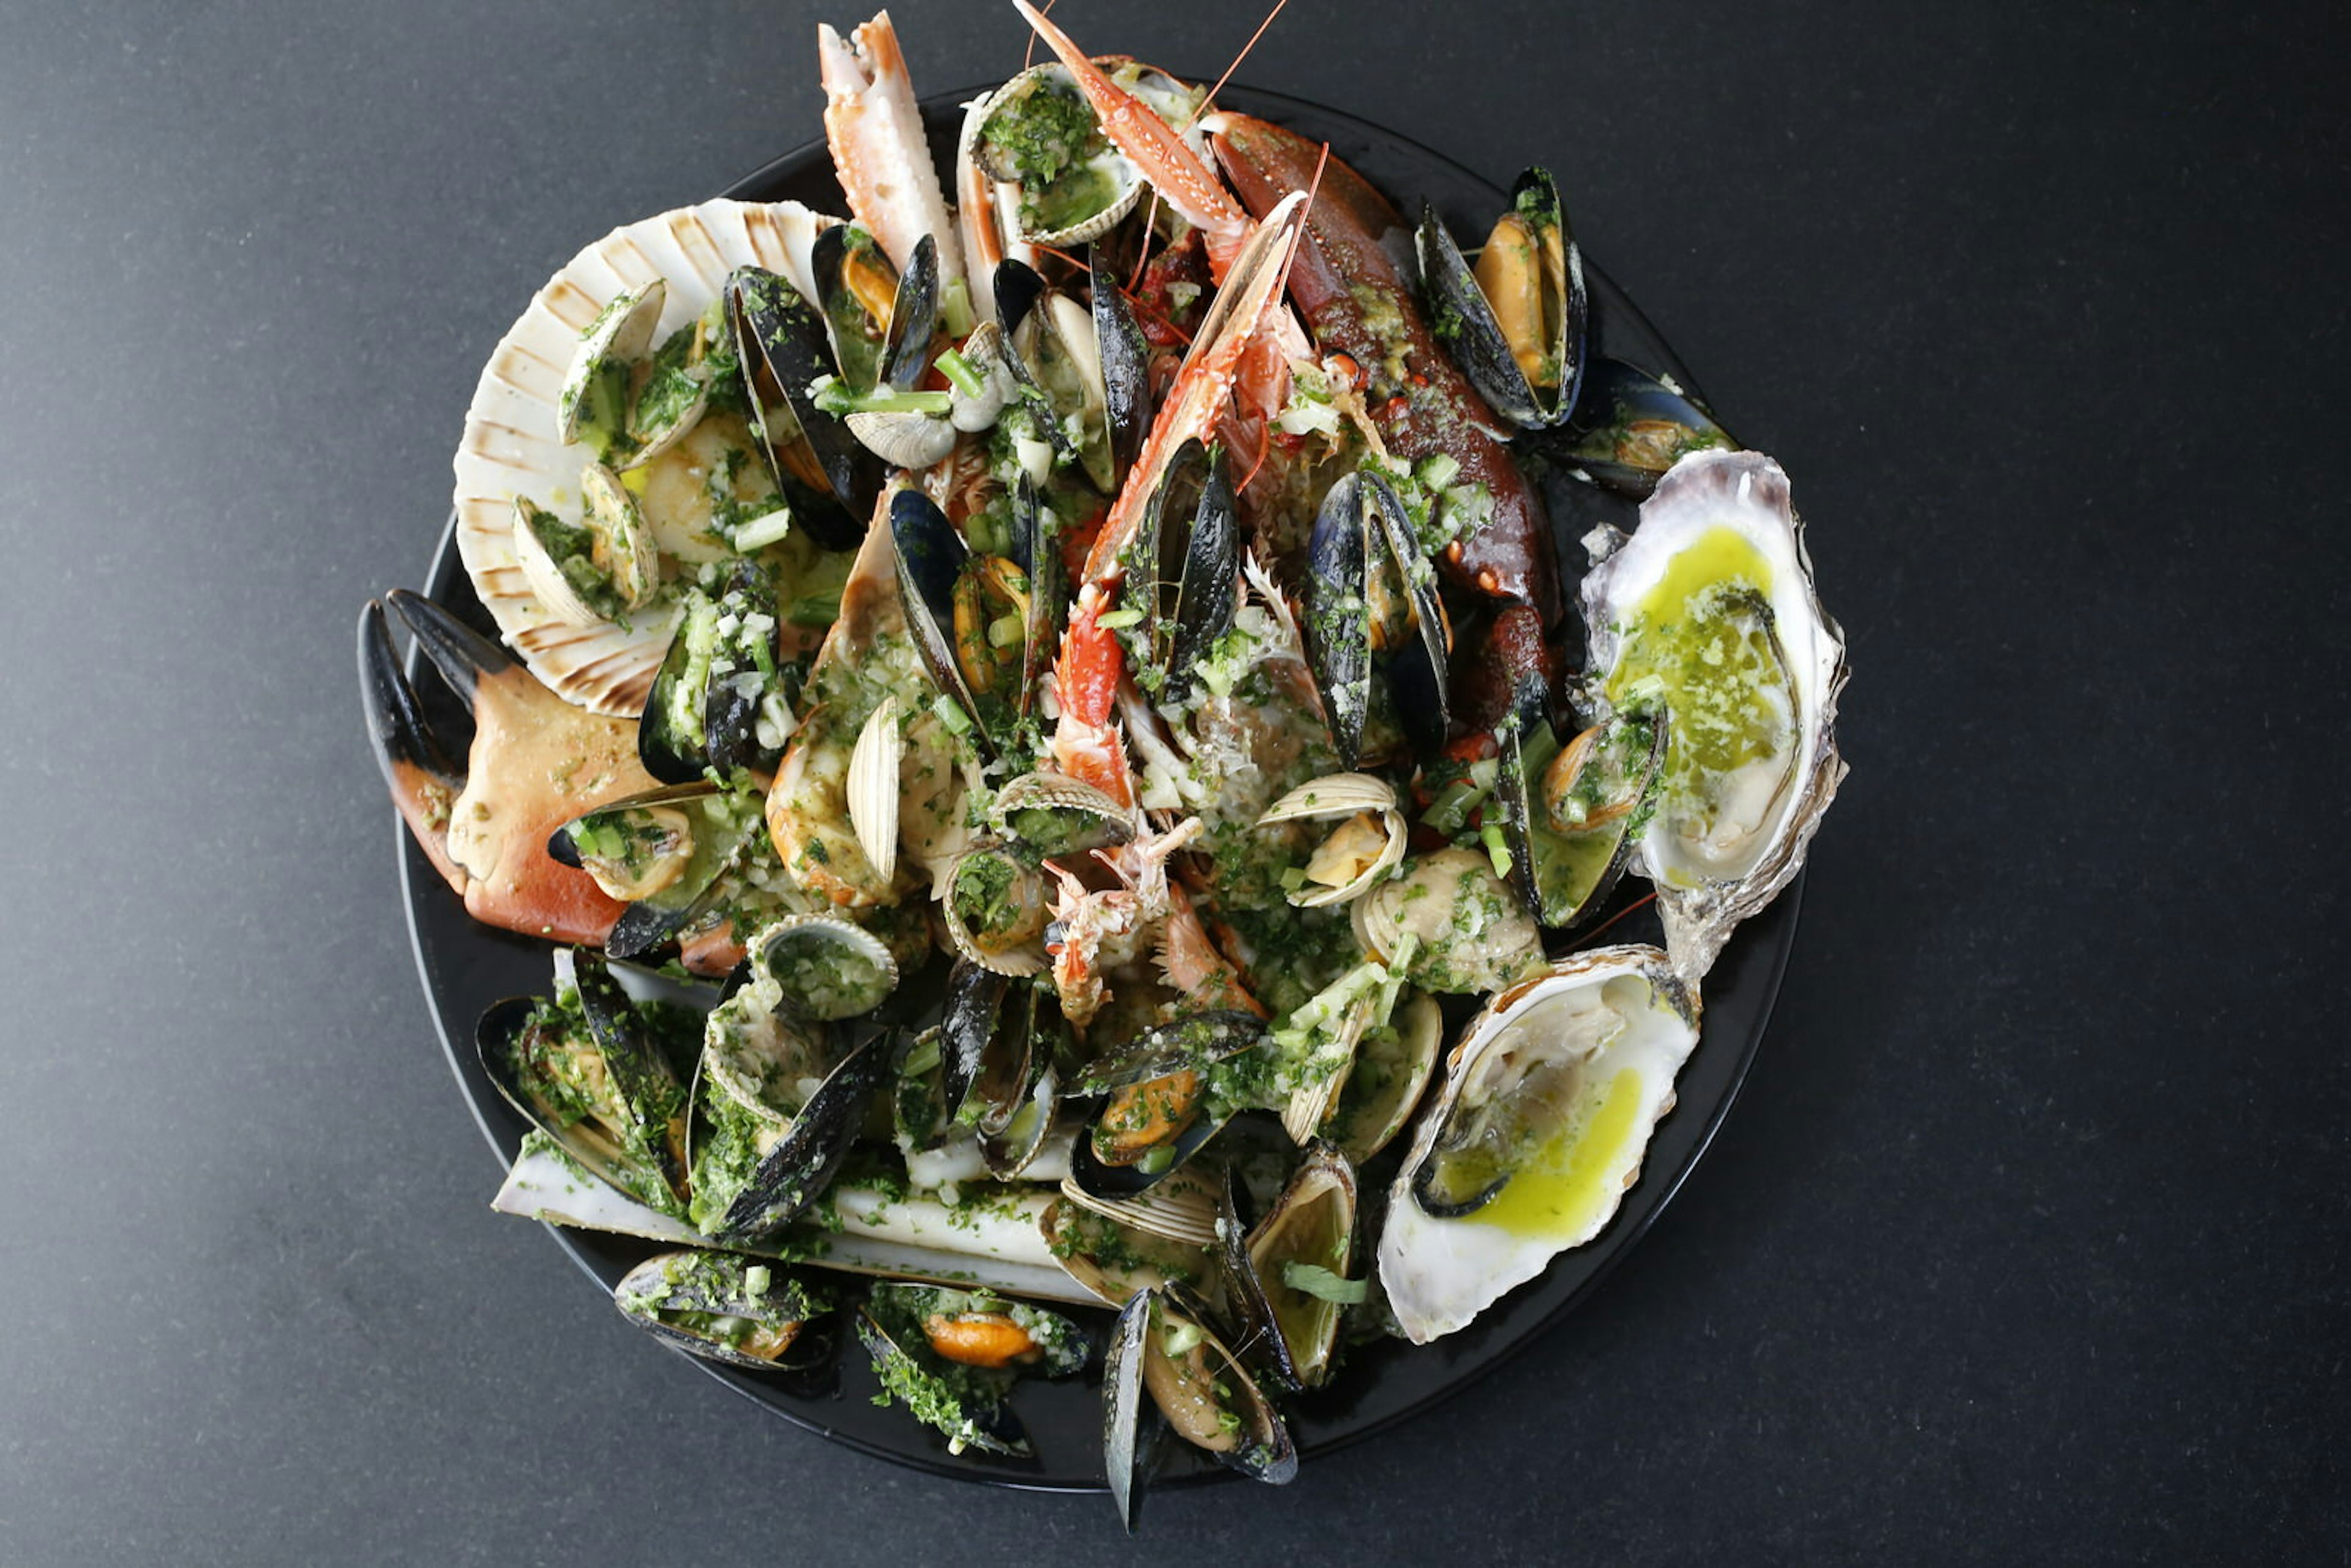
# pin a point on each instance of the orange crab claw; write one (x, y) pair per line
(536, 762)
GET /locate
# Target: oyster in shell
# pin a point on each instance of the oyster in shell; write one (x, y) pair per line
(1536, 1134)
(1709, 615)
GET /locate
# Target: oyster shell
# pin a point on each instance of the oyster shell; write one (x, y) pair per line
(1536, 1134)
(1709, 613)
(512, 446)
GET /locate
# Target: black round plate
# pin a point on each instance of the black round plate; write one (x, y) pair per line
(465, 967)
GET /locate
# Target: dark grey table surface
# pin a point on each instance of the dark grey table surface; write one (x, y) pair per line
(2026, 1240)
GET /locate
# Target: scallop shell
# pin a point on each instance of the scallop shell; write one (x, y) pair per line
(510, 446)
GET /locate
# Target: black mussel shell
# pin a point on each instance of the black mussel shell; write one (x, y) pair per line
(914, 320)
(1018, 288)
(636, 1068)
(1630, 427)
(796, 1172)
(1416, 671)
(716, 723)
(712, 1305)
(1037, 550)
(1188, 1043)
(974, 1034)
(1262, 1449)
(1560, 872)
(1133, 1431)
(930, 556)
(782, 343)
(724, 829)
(1338, 633)
(1245, 1294)
(904, 1362)
(1464, 318)
(843, 251)
(1126, 365)
(1055, 360)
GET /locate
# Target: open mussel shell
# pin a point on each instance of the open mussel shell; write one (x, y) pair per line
(721, 1306)
(592, 405)
(600, 1085)
(979, 1328)
(1158, 1114)
(722, 698)
(965, 1404)
(1368, 607)
(1208, 1397)
(1630, 427)
(672, 847)
(767, 1139)
(1286, 1276)
(1570, 809)
(827, 967)
(1183, 571)
(930, 557)
(1057, 367)
(855, 286)
(1515, 325)
(1133, 1428)
(830, 480)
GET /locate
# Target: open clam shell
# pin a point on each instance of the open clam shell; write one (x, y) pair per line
(1366, 845)
(512, 444)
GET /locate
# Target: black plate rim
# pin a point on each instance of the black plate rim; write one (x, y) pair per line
(1769, 937)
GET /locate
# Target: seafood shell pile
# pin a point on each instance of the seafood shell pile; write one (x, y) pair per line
(1053, 743)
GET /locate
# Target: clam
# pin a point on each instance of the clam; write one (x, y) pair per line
(1181, 1209)
(1111, 1260)
(597, 569)
(1449, 922)
(1367, 843)
(721, 1306)
(1058, 180)
(1538, 1131)
(1052, 816)
(1516, 325)
(593, 405)
(996, 906)
(1710, 616)
(874, 767)
(826, 967)
(590, 1069)
(674, 387)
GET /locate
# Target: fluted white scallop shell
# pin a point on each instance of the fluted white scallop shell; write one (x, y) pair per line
(510, 446)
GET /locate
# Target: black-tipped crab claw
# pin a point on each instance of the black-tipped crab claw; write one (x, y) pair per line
(534, 763)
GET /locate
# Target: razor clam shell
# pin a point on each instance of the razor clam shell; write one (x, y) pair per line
(510, 446)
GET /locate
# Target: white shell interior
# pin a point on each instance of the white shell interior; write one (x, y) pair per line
(510, 446)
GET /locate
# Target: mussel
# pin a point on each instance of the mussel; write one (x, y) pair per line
(829, 478)
(724, 695)
(1163, 1346)
(1158, 1113)
(594, 1071)
(1373, 619)
(1057, 365)
(1516, 325)
(722, 1307)
(1287, 1275)
(668, 853)
(1630, 427)
(776, 1109)
(1183, 573)
(1572, 811)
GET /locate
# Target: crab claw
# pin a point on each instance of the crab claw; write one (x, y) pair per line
(534, 763)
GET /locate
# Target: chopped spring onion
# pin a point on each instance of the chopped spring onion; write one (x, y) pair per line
(961, 372)
(1323, 1285)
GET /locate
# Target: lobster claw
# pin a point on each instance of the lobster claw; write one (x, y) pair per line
(533, 763)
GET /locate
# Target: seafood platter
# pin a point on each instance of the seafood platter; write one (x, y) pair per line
(1126, 780)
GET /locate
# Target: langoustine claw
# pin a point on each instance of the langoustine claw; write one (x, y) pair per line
(536, 762)
(879, 148)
